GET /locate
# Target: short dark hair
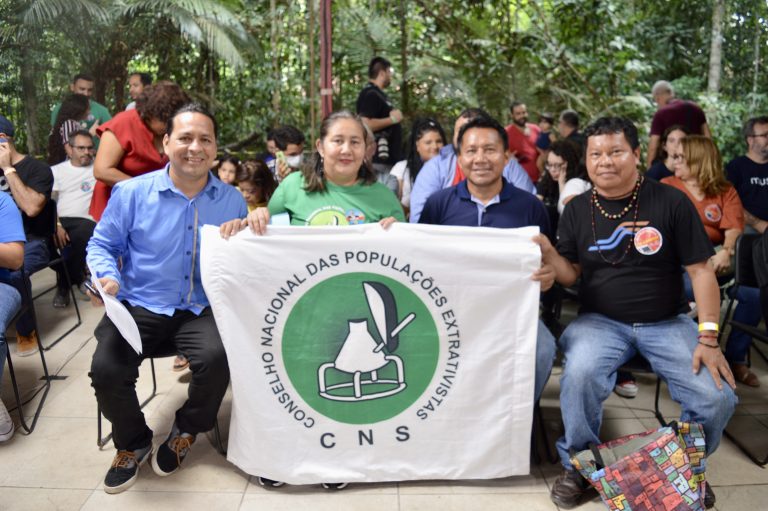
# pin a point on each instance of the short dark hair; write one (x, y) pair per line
(473, 113)
(377, 65)
(482, 122)
(78, 133)
(611, 126)
(83, 76)
(749, 126)
(195, 108)
(515, 104)
(285, 135)
(145, 78)
(570, 117)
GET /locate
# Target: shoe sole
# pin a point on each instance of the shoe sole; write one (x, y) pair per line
(335, 487)
(178, 369)
(159, 471)
(626, 394)
(274, 484)
(27, 353)
(112, 490)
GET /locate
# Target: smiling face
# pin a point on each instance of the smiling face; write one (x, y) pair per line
(612, 164)
(482, 158)
(191, 148)
(343, 151)
(429, 144)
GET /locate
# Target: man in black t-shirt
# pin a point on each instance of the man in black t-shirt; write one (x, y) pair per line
(29, 182)
(381, 116)
(628, 239)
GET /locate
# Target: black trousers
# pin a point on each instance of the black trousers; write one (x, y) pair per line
(115, 369)
(79, 231)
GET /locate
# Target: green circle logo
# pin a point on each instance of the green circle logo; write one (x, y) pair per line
(360, 348)
(328, 215)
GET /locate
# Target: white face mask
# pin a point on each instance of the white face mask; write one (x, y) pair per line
(294, 161)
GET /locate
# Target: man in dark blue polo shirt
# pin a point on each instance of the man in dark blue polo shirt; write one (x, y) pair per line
(486, 199)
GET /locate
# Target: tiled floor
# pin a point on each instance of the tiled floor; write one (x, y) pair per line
(59, 467)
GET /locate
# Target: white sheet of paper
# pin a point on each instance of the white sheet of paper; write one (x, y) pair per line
(280, 219)
(120, 316)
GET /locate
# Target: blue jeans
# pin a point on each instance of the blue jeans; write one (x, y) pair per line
(545, 357)
(595, 346)
(10, 302)
(36, 256)
(748, 312)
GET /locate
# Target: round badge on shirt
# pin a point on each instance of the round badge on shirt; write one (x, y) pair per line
(648, 241)
(713, 213)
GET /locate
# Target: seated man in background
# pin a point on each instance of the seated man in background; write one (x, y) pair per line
(486, 199)
(73, 183)
(28, 182)
(628, 240)
(444, 170)
(159, 283)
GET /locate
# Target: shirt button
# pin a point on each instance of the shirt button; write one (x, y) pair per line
(189, 227)
(189, 253)
(186, 277)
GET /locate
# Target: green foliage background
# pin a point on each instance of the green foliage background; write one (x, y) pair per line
(250, 61)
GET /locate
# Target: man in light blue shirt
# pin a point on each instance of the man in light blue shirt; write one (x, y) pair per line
(441, 171)
(151, 225)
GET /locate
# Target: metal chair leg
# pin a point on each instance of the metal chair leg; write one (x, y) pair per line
(79, 321)
(28, 428)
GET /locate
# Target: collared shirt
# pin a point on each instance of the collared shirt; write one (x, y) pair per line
(438, 173)
(511, 208)
(153, 227)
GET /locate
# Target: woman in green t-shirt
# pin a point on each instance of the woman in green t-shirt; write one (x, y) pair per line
(338, 187)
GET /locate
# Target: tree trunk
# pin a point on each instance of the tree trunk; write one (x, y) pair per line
(312, 78)
(406, 107)
(29, 92)
(275, 61)
(755, 81)
(716, 48)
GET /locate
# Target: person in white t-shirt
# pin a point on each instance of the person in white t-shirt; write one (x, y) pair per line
(424, 143)
(73, 183)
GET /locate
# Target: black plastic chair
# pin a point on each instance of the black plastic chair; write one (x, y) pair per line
(26, 306)
(57, 259)
(101, 441)
(744, 275)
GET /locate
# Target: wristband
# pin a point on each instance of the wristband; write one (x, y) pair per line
(393, 118)
(709, 326)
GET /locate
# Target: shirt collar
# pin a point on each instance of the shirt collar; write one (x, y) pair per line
(164, 183)
(506, 191)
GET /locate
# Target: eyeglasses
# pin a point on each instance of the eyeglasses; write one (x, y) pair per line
(83, 147)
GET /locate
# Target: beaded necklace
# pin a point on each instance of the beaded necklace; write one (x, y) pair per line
(595, 202)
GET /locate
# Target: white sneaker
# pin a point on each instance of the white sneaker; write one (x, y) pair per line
(6, 424)
(626, 389)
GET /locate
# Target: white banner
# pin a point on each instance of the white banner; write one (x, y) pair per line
(359, 354)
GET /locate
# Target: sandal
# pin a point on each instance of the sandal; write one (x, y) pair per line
(742, 374)
(180, 363)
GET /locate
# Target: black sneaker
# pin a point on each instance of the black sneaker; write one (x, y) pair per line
(269, 483)
(171, 453)
(61, 299)
(125, 469)
(334, 486)
(709, 497)
(569, 489)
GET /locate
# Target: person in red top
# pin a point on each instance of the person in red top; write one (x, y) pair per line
(522, 137)
(131, 142)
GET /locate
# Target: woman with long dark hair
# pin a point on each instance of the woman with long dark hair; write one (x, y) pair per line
(426, 139)
(74, 108)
